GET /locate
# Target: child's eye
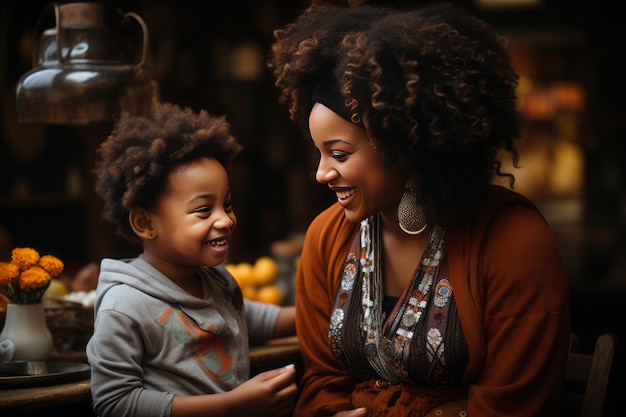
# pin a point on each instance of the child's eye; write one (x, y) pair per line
(203, 209)
(228, 205)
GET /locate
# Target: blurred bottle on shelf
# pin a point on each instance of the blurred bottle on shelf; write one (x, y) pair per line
(287, 253)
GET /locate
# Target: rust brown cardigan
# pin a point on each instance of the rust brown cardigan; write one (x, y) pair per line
(512, 297)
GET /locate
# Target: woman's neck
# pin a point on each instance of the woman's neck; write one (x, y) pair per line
(401, 255)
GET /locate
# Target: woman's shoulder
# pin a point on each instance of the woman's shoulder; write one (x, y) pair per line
(503, 211)
(499, 197)
(505, 216)
(501, 202)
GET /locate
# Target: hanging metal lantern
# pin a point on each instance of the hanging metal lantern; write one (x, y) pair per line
(86, 71)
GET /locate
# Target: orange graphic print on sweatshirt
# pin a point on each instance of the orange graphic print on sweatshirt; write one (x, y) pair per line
(205, 347)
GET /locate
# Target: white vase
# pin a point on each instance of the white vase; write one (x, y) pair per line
(25, 325)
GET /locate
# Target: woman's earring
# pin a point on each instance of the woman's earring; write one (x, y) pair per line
(411, 217)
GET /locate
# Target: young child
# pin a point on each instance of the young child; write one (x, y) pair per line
(172, 330)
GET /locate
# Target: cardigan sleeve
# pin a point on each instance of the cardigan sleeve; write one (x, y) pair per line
(325, 386)
(515, 312)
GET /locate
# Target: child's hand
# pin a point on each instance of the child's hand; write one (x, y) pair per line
(271, 393)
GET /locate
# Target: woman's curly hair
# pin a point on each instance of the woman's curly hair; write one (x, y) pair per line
(433, 86)
(142, 151)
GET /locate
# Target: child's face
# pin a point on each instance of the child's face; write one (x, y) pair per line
(194, 221)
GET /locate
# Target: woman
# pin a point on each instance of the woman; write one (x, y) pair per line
(425, 290)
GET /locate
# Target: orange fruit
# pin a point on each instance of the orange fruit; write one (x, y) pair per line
(243, 273)
(249, 292)
(265, 270)
(230, 267)
(270, 294)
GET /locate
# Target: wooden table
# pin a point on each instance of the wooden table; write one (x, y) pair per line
(21, 401)
(76, 396)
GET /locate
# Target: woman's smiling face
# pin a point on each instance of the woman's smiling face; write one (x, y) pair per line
(351, 168)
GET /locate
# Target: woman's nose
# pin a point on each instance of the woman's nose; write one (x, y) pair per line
(324, 173)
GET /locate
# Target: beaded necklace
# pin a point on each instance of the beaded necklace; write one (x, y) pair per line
(387, 349)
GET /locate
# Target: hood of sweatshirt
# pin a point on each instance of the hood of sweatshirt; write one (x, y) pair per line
(142, 276)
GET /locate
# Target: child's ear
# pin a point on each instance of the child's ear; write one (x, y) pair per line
(140, 222)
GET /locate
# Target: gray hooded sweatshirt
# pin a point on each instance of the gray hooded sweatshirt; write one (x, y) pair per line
(152, 340)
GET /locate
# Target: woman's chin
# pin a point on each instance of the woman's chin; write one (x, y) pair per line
(354, 216)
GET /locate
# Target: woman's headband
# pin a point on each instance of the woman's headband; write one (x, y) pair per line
(326, 91)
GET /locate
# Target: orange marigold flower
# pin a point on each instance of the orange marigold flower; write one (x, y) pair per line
(51, 264)
(8, 273)
(33, 278)
(24, 258)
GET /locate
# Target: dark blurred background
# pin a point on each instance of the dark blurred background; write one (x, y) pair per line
(211, 55)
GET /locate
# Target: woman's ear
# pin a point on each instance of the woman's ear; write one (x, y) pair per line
(141, 223)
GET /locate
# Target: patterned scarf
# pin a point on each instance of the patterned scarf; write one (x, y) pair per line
(421, 341)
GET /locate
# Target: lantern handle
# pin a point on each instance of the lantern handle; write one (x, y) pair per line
(57, 14)
(144, 31)
(57, 18)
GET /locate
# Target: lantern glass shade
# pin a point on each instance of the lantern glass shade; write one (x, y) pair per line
(85, 72)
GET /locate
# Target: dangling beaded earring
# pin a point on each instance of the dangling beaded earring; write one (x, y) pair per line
(411, 217)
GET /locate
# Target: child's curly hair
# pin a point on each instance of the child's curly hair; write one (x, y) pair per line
(141, 152)
(433, 86)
